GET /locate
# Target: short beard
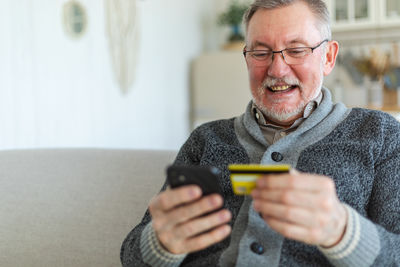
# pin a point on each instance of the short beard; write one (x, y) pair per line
(282, 114)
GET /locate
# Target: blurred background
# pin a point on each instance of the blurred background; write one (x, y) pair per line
(143, 73)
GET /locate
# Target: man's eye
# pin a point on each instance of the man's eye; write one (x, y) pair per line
(296, 52)
(260, 55)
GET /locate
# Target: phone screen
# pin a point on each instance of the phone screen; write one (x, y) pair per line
(206, 177)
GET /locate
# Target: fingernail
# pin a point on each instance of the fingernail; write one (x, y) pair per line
(225, 230)
(260, 182)
(225, 215)
(255, 193)
(195, 191)
(256, 205)
(215, 201)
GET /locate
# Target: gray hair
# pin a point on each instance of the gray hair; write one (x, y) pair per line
(317, 7)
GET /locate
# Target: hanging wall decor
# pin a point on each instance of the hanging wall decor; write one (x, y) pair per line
(122, 33)
(74, 19)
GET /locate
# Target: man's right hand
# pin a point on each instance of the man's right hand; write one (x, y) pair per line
(176, 222)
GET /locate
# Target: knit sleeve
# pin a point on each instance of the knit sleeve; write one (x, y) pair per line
(153, 252)
(360, 244)
(374, 239)
(383, 208)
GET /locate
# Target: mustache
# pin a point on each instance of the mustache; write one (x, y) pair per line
(271, 81)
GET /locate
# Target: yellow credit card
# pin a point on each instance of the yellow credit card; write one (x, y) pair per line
(244, 176)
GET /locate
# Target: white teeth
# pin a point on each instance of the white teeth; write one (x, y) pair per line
(280, 88)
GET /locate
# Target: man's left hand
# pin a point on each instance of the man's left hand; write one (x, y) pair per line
(302, 207)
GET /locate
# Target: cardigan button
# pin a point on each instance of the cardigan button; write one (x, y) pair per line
(276, 156)
(257, 248)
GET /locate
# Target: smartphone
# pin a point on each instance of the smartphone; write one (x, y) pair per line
(206, 177)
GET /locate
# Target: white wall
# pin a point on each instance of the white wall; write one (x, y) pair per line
(59, 92)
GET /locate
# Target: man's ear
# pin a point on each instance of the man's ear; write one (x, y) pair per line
(332, 50)
(244, 49)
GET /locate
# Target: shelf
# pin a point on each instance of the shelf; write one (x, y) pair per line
(360, 36)
(371, 23)
(392, 110)
(386, 108)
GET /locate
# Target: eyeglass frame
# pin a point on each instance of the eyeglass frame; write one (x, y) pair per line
(283, 50)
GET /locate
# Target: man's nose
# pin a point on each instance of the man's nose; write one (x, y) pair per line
(278, 67)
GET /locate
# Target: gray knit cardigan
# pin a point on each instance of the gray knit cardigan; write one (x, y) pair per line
(358, 148)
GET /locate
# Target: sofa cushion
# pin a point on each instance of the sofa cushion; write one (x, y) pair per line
(73, 207)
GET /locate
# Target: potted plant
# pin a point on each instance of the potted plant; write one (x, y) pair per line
(233, 18)
(374, 67)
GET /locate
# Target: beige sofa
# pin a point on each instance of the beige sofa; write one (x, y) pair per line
(73, 207)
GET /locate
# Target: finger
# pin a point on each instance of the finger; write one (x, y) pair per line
(296, 232)
(290, 214)
(297, 198)
(202, 224)
(193, 210)
(175, 237)
(296, 181)
(207, 239)
(170, 199)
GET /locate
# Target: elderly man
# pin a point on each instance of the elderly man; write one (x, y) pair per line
(341, 206)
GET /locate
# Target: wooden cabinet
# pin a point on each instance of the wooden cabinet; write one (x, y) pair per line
(347, 15)
(390, 12)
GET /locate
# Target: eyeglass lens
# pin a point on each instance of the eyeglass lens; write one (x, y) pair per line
(292, 56)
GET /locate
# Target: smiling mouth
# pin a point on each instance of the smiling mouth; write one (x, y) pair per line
(281, 88)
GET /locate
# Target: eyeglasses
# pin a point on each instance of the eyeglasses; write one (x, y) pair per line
(292, 56)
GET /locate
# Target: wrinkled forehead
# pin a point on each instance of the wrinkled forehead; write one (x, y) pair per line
(287, 25)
